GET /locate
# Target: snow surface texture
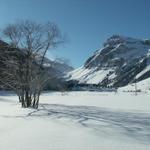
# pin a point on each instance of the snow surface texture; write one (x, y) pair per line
(121, 61)
(143, 86)
(77, 121)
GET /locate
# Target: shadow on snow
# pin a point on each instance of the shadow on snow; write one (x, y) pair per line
(132, 125)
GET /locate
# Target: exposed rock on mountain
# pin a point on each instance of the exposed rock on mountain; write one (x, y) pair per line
(121, 61)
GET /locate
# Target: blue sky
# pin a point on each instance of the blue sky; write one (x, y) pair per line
(88, 23)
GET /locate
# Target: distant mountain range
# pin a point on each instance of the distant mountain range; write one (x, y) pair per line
(56, 69)
(121, 61)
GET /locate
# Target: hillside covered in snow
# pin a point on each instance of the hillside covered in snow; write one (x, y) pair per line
(76, 121)
(121, 61)
(141, 86)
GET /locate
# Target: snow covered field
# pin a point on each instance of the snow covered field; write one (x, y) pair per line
(77, 121)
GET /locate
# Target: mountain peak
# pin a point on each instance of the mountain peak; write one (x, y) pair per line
(118, 63)
(119, 39)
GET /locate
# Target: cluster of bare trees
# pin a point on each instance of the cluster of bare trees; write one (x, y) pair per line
(23, 59)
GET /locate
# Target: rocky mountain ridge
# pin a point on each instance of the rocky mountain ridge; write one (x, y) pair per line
(121, 61)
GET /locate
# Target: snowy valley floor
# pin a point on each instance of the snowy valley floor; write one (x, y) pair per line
(77, 121)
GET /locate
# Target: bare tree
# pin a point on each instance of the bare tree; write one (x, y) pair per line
(25, 72)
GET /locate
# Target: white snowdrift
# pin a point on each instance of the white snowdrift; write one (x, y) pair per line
(77, 121)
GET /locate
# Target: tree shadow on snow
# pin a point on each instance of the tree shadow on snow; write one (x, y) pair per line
(110, 122)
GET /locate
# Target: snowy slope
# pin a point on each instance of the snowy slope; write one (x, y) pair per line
(121, 61)
(89, 76)
(76, 121)
(143, 85)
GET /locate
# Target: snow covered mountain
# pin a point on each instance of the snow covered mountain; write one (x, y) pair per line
(57, 68)
(121, 61)
(60, 67)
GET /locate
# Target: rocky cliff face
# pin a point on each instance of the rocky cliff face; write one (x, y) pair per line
(121, 61)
